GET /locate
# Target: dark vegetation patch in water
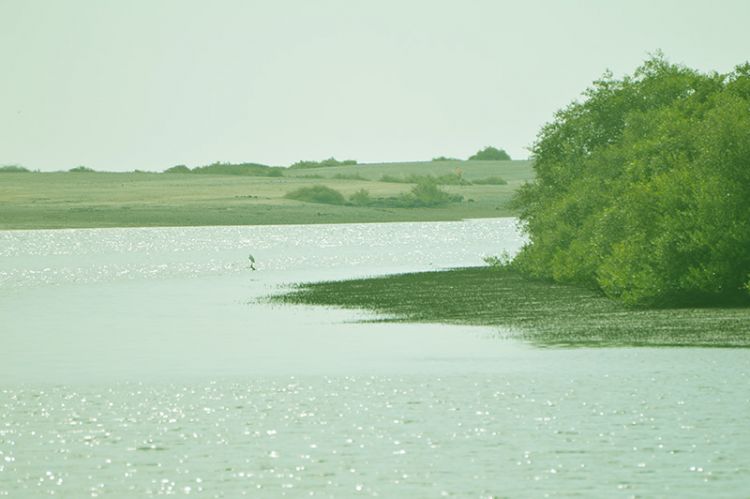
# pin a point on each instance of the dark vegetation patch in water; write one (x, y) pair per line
(545, 313)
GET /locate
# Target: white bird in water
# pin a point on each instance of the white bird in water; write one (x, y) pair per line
(252, 262)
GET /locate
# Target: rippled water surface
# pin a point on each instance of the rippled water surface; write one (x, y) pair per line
(143, 362)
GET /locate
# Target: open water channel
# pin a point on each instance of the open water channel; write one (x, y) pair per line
(138, 362)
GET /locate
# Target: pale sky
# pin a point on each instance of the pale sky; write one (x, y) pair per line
(148, 84)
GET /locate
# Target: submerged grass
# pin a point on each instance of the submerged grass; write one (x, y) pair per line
(544, 313)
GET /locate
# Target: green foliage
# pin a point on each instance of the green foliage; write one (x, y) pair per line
(427, 193)
(642, 189)
(490, 181)
(251, 169)
(424, 194)
(178, 169)
(445, 158)
(349, 176)
(322, 164)
(490, 153)
(13, 169)
(317, 194)
(392, 179)
(361, 198)
(501, 261)
(447, 179)
(81, 169)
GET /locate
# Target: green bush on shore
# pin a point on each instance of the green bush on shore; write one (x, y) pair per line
(317, 194)
(642, 189)
(424, 194)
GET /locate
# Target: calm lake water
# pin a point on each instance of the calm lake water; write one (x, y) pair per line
(137, 362)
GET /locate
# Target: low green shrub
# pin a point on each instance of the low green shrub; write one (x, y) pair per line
(424, 194)
(490, 153)
(447, 179)
(317, 194)
(490, 181)
(178, 169)
(250, 169)
(392, 179)
(450, 179)
(349, 176)
(322, 164)
(13, 169)
(501, 261)
(427, 193)
(361, 198)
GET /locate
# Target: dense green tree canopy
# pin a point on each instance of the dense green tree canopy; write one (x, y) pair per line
(643, 188)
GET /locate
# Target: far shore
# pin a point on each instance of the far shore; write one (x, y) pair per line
(36, 200)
